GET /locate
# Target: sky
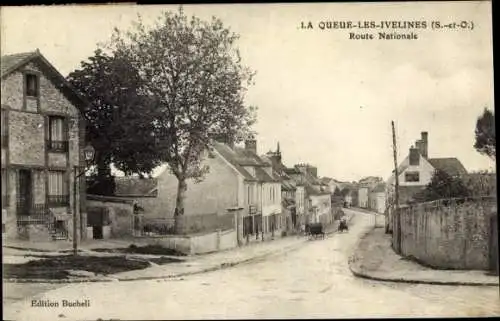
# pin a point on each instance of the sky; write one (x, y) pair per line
(327, 99)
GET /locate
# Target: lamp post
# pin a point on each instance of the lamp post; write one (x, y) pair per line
(88, 154)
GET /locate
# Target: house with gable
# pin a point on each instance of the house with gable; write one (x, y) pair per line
(416, 171)
(42, 146)
(238, 181)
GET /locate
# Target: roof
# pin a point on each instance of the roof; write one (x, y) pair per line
(450, 165)
(379, 188)
(263, 176)
(292, 170)
(311, 190)
(244, 157)
(278, 168)
(287, 185)
(240, 157)
(135, 186)
(10, 63)
(231, 157)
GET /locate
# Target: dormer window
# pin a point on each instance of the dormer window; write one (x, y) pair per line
(31, 85)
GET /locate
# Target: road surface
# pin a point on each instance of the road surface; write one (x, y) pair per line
(311, 282)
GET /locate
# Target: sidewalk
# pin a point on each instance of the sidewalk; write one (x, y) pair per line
(375, 259)
(197, 263)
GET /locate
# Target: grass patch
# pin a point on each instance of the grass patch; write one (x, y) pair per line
(147, 249)
(57, 267)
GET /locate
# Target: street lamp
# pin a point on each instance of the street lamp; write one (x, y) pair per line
(88, 154)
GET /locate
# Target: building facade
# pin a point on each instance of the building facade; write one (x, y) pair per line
(415, 172)
(42, 139)
(238, 182)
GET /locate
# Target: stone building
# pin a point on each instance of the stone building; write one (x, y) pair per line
(42, 136)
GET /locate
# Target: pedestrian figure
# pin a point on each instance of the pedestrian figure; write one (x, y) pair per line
(303, 229)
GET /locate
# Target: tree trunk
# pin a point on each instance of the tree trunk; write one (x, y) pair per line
(179, 206)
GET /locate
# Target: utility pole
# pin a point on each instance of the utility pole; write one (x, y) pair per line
(396, 198)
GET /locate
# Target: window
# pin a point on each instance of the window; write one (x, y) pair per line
(31, 85)
(412, 176)
(5, 138)
(58, 141)
(5, 198)
(58, 193)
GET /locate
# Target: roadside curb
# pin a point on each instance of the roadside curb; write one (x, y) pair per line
(212, 268)
(366, 275)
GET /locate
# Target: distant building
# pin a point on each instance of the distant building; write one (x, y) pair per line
(363, 196)
(318, 198)
(377, 198)
(292, 192)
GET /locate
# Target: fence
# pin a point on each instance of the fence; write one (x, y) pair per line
(450, 233)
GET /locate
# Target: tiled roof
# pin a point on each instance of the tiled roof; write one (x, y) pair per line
(245, 157)
(263, 176)
(135, 186)
(287, 186)
(450, 165)
(231, 156)
(278, 167)
(240, 157)
(11, 62)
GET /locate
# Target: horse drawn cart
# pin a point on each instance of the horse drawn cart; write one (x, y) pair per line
(315, 230)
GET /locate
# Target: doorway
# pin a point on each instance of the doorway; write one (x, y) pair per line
(24, 195)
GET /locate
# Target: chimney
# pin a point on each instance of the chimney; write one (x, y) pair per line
(425, 144)
(414, 156)
(313, 171)
(419, 145)
(251, 145)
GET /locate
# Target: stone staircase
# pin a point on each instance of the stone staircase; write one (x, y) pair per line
(42, 227)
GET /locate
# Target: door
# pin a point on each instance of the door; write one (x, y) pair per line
(97, 232)
(24, 195)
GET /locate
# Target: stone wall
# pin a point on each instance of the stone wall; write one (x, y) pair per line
(195, 244)
(451, 234)
(120, 213)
